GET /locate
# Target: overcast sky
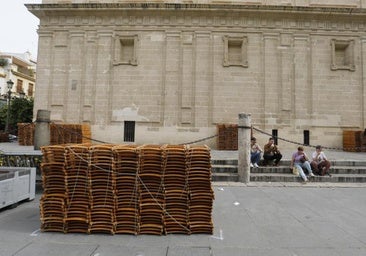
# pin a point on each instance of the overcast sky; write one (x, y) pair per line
(18, 27)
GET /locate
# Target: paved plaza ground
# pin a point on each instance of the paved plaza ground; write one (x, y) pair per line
(248, 220)
(256, 219)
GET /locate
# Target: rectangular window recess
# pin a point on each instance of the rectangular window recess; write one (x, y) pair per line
(125, 52)
(342, 55)
(235, 51)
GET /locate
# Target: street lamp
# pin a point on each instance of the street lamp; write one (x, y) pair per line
(10, 86)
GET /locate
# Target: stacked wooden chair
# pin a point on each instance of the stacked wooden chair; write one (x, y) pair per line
(102, 186)
(176, 189)
(200, 192)
(52, 202)
(125, 166)
(151, 190)
(77, 212)
(25, 134)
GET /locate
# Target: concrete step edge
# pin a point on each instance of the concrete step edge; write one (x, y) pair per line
(287, 162)
(293, 178)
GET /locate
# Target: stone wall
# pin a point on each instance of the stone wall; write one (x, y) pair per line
(177, 72)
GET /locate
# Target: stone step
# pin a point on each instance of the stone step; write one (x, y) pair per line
(284, 174)
(286, 162)
(335, 178)
(224, 168)
(333, 170)
(225, 177)
(286, 169)
(224, 161)
(280, 177)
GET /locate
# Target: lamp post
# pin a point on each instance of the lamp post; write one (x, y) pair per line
(10, 86)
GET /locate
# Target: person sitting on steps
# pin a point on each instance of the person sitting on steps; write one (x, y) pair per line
(271, 153)
(320, 164)
(255, 153)
(300, 160)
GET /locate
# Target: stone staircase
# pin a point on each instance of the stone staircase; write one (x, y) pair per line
(353, 171)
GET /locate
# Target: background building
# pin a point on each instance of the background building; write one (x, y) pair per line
(21, 69)
(170, 71)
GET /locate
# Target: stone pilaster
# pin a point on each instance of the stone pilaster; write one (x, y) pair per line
(204, 77)
(59, 83)
(103, 83)
(363, 110)
(271, 77)
(75, 76)
(89, 78)
(44, 70)
(172, 78)
(286, 71)
(187, 81)
(302, 90)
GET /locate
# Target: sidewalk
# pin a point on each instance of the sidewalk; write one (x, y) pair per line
(15, 148)
(253, 221)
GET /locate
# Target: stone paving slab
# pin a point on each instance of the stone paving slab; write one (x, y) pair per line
(55, 248)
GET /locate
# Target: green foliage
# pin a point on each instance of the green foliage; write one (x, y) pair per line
(3, 109)
(3, 62)
(21, 111)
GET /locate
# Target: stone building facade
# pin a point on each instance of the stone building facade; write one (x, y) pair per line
(170, 71)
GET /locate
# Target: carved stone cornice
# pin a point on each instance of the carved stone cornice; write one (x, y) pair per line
(200, 16)
(39, 8)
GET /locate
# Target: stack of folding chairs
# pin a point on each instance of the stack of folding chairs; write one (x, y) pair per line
(176, 190)
(200, 192)
(77, 212)
(125, 166)
(26, 134)
(57, 134)
(151, 190)
(102, 186)
(52, 202)
(126, 189)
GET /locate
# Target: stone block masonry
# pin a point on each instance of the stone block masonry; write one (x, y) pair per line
(178, 70)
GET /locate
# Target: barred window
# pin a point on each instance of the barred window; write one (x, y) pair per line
(129, 131)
